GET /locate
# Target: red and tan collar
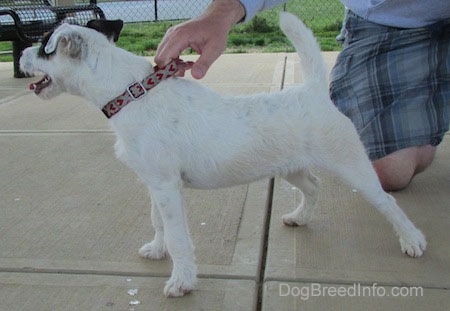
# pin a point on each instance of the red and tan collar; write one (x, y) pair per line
(136, 90)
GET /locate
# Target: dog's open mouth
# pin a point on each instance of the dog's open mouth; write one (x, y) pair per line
(37, 87)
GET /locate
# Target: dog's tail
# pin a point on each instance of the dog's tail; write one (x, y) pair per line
(308, 49)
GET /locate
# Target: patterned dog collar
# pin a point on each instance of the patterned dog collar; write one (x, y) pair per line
(138, 89)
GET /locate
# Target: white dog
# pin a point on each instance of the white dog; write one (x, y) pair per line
(184, 134)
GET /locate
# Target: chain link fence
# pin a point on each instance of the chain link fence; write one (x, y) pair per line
(319, 13)
(324, 17)
(132, 11)
(147, 21)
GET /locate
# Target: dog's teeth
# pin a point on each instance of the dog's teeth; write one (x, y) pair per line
(41, 84)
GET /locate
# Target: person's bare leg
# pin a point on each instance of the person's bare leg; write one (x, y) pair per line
(397, 169)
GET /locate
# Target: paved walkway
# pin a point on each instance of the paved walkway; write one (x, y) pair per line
(72, 218)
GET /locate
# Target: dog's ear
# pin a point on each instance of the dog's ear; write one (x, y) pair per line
(110, 28)
(67, 39)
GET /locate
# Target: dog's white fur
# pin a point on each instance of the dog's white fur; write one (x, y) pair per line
(183, 133)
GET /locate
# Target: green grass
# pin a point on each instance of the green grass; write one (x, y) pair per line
(143, 38)
(6, 46)
(261, 34)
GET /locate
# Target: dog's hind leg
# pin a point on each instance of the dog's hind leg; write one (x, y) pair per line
(308, 185)
(168, 199)
(156, 249)
(350, 162)
(412, 241)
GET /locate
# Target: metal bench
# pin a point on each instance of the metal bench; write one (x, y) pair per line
(25, 21)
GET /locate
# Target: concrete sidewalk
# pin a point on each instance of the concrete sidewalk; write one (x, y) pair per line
(72, 218)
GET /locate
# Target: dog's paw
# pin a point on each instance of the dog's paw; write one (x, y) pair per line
(178, 286)
(153, 250)
(293, 219)
(414, 245)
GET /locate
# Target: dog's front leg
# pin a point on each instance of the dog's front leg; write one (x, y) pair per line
(168, 199)
(156, 249)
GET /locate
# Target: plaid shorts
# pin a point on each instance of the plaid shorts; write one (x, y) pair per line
(394, 84)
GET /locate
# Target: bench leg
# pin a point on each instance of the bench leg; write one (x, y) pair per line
(18, 47)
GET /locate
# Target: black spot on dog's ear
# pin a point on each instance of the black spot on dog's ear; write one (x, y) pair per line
(41, 52)
(110, 28)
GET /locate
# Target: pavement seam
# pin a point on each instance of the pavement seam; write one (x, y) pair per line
(120, 273)
(52, 132)
(265, 243)
(10, 98)
(264, 247)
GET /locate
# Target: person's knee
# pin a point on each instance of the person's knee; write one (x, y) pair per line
(396, 170)
(393, 175)
(425, 156)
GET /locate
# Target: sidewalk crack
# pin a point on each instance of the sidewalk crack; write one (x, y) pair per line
(265, 243)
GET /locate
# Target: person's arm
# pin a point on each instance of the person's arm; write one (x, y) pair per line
(206, 34)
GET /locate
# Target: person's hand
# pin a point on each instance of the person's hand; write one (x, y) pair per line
(207, 35)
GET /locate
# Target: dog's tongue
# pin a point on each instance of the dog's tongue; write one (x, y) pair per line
(41, 84)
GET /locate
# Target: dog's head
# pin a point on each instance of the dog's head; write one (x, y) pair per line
(68, 53)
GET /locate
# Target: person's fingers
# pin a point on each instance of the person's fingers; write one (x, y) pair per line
(208, 55)
(184, 65)
(171, 46)
(180, 72)
(208, 43)
(199, 70)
